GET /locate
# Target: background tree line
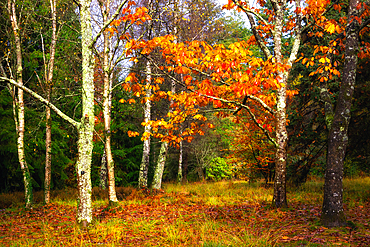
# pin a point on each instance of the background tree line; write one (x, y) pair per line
(48, 37)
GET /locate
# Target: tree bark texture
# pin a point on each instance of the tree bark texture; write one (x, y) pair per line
(332, 210)
(103, 172)
(86, 126)
(144, 166)
(157, 179)
(279, 198)
(20, 123)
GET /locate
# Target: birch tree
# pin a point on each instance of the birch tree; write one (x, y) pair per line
(105, 8)
(85, 126)
(144, 166)
(276, 30)
(115, 37)
(49, 70)
(18, 102)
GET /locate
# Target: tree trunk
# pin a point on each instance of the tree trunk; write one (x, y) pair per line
(143, 175)
(86, 127)
(279, 8)
(48, 153)
(107, 110)
(179, 172)
(49, 86)
(279, 198)
(20, 124)
(158, 173)
(157, 179)
(103, 172)
(332, 210)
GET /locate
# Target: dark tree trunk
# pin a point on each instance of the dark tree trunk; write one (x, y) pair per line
(332, 210)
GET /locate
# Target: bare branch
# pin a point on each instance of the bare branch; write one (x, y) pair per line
(108, 22)
(259, 39)
(42, 100)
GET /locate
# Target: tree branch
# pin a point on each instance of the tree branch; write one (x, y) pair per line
(259, 39)
(42, 100)
(108, 22)
(250, 113)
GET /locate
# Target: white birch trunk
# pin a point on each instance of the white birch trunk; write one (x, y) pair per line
(279, 198)
(143, 175)
(107, 92)
(86, 127)
(157, 179)
(20, 124)
(103, 172)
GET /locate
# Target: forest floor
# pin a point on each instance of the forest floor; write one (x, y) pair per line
(201, 214)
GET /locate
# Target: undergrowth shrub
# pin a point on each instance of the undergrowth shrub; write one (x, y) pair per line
(11, 200)
(16, 199)
(219, 169)
(67, 194)
(126, 193)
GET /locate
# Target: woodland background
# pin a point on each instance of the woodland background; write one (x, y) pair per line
(222, 145)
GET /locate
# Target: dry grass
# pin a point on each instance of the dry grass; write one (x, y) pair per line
(200, 214)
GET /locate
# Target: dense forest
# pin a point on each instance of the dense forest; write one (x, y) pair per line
(120, 93)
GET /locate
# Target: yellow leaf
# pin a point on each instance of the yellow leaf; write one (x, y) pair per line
(322, 60)
(128, 78)
(330, 28)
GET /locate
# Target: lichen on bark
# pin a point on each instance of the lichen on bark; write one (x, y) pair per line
(332, 210)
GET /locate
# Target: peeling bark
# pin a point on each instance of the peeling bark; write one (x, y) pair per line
(279, 198)
(332, 210)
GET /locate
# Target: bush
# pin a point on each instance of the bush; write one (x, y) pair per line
(219, 169)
